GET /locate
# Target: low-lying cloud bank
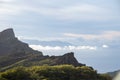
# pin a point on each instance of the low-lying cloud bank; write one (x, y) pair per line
(40, 47)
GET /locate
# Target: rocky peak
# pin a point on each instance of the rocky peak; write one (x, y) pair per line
(68, 58)
(7, 34)
(9, 44)
(70, 54)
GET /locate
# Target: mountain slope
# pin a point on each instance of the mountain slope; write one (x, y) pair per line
(13, 50)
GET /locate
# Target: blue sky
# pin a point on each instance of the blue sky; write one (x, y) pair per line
(87, 23)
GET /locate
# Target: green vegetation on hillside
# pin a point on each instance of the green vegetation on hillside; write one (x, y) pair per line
(61, 72)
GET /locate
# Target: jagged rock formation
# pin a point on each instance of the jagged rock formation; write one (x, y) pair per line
(16, 53)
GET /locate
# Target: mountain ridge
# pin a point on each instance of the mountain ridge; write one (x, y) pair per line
(13, 52)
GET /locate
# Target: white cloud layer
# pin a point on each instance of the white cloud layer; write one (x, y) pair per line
(65, 48)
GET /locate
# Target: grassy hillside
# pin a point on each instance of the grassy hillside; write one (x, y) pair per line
(61, 72)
